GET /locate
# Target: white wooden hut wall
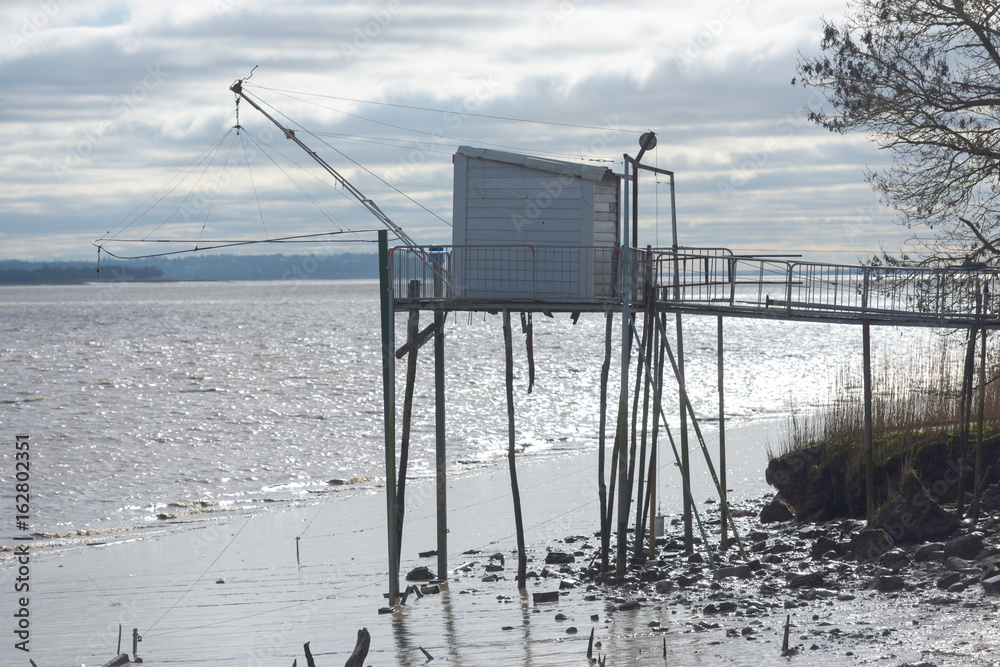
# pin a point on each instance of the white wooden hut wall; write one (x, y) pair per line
(532, 228)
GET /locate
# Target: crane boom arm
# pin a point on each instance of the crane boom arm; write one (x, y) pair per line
(372, 207)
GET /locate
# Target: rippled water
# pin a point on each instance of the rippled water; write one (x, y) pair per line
(149, 399)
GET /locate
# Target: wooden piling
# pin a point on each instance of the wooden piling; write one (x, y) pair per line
(439, 423)
(965, 408)
(724, 542)
(648, 331)
(602, 489)
(412, 330)
(685, 453)
(866, 344)
(657, 415)
(978, 475)
(389, 406)
(522, 558)
(527, 328)
(622, 436)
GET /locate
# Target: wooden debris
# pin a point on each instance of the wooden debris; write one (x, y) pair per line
(357, 658)
(590, 645)
(309, 656)
(117, 661)
(547, 596)
(426, 654)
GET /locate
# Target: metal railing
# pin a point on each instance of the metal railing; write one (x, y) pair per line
(697, 279)
(809, 289)
(509, 272)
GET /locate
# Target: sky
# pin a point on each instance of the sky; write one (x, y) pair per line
(117, 122)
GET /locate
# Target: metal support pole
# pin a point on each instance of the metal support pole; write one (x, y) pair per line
(624, 493)
(389, 405)
(869, 453)
(439, 423)
(722, 433)
(685, 452)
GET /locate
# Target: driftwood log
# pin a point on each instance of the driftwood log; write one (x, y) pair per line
(357, 658)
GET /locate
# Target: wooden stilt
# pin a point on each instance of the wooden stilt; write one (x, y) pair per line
(439, 424)
(522, 558)
(978, 488)
(657, 415)
(685, 452)
(601, 443)
(529, 347)
(965, 407)
(648, 336)
(724, 544)
(866, 344)
(389, 406)
(412, 329)
(622, 437)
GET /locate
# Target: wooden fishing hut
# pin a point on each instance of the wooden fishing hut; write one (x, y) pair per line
(530, 235)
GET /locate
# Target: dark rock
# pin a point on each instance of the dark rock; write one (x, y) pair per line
(894, 559)
(811, 480)
(696, 558)
(420, 574)
(664, 586)
(888, 583)
(992, 585)
(571, 630)
(777, 511)
(964, 546)
(547, 596)
(779, 548)
(806, 580)
(948, 579)
(913, 516)
(558, 558)
(822, 545)
(686, 580)
(630, 605)
(956, 564)
(492, 567)
(738, 571)
(869, 545)
(650, 574)
(929, 551)
(561, 617)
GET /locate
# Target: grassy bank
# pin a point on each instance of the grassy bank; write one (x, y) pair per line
(916, 398)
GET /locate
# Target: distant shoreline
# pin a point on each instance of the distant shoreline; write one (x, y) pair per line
(345, 266)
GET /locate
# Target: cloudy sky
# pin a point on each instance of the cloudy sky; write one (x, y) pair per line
(116, 119)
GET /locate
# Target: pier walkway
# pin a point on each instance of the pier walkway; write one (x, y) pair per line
(704, 281)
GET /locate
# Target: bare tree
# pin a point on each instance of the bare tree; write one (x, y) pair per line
(922, 78)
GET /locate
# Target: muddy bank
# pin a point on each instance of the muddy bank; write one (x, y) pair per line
(230, 590)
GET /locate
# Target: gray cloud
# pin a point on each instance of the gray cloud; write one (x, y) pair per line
(104, 102)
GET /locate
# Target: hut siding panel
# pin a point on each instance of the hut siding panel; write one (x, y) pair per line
(504, 204)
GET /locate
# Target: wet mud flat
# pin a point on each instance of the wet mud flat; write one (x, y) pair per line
(231, 590)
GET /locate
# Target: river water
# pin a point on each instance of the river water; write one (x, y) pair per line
(169, 399)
